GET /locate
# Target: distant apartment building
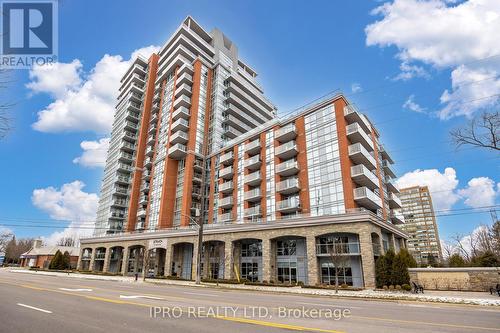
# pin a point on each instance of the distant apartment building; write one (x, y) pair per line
(195, 139)
(420, 223)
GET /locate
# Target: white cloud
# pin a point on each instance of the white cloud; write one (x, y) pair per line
(441, 185)
(83, 101)
(444, 34)
(94, 153)
(472, 90)
(479, 192)
(69, 203)
(436, 33)
(411, 105)
(56, 79)
(356, 87)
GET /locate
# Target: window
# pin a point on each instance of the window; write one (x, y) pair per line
(250, 271)
(287, 247)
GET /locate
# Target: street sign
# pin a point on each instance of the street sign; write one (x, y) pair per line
(2, 258)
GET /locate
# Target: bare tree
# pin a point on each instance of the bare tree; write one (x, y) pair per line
(5, 120)
(66, 241)
(5, 237)
(483, 131)
(337, 252)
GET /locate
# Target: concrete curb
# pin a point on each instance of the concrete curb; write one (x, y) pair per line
(364, 294)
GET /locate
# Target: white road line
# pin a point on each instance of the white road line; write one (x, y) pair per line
(201, 294)
(33, 308)
(140, 296)
(332, 305)
(81, 289)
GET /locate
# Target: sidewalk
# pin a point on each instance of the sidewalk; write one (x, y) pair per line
(451, 297)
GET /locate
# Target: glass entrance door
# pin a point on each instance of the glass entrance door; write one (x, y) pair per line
(287, 272)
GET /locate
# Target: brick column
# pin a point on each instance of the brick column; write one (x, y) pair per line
(91, 265)
(312, 261)
(79, 264)
(125, 260)
(392, 242)
(228, 259)
(195, 260)
(367, 260)
(266, 260)
(107, 257)
(168, 260)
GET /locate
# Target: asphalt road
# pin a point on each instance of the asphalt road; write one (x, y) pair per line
(35, 303)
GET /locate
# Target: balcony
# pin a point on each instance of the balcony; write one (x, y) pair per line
(226, 173)
(226, 187)
(127, 146)
(286, 133)
(360, 155)
(231, 132)
(226, 202)
(186, 68)
(353, 116)
(397, 217)
(224, 217)
(185, 78)
(143, 199)
(388, 169)
(287, 168)
(364, 177)
(197, 177)
(366, 198)
(177, 151)
(288, 205)
(150, 151)
(125, 157)
(356, 134)
(151, 140)
(154, 118)
(252, 211)
(152, 128)
(385, 154)
(183, 100)
(338, 248)
(120, 190)
(181, 112)
(128, 136)
(391, 186)
(148, 162)
(122, 179)
(253, 163)
(125, 167)
(145, 187)
(288, 186)
(227, 158)
(179, 137)
(130, 126)
(253, 178)
(141, 212)
(180, 124)
(231, 120)
(119, 203)
(253, 147)
(253, 195)
(117, 214)
(394, 201)
(287, 150)
(183, 89)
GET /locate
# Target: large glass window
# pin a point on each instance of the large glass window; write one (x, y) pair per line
(250, 271)
(287, 272)
(287, 247)
(328, 273)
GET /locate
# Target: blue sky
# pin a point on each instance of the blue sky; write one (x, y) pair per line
(396, 72)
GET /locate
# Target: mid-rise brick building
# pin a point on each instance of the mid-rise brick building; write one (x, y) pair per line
(194, 139)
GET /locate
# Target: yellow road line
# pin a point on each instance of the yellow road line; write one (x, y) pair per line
(235, 319)
(425, 323)
(276, 325)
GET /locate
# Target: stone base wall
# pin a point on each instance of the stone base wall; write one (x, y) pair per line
(465, 279)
